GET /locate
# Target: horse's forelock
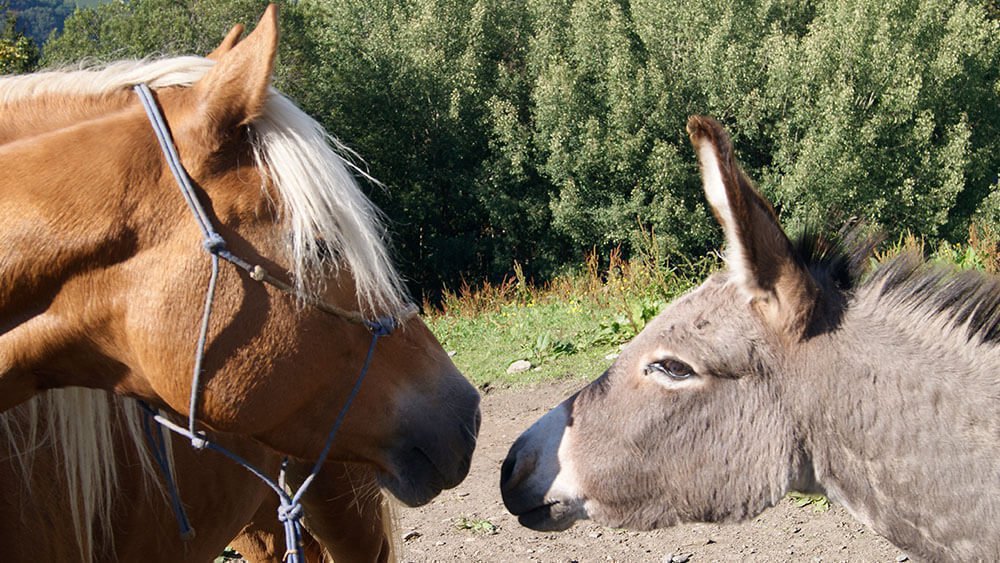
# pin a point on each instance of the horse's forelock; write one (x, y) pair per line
(324, 206)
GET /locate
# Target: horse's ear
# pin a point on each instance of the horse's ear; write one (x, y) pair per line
(757, 250)
(233, 92)
(228, 42)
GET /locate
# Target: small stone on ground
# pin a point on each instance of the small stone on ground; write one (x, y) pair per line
(519, 366)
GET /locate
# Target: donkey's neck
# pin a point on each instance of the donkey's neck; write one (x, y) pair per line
(901, 418)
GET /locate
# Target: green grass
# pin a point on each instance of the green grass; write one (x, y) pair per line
(476, 525)
(818, 502)
(559, 339)
(569, 328)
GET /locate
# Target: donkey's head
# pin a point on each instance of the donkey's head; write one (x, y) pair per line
(688, 424)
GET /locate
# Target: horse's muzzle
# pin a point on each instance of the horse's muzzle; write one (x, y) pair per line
(435, 448)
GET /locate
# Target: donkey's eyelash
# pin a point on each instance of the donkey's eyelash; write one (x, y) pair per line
(674, 369)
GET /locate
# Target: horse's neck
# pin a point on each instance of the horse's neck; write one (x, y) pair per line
(64, 205)
(903, 428)
(30, 118)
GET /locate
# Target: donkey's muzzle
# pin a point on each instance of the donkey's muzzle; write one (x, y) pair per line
(535, 484)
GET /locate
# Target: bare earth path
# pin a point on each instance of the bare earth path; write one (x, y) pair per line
(469, 523)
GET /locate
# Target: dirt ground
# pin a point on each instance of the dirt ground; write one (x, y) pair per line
(469, 523)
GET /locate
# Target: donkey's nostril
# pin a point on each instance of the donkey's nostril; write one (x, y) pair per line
(505, 471)
(515, 469)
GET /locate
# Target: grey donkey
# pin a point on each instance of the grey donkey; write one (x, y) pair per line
(795, 368)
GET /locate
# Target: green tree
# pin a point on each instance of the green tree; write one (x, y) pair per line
(429, 92)
(614, 85)
(143, 28)
(18, 53)
(888, 111)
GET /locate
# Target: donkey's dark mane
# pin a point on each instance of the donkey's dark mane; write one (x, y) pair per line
(969, 297)
(844, 261)
(841, 259)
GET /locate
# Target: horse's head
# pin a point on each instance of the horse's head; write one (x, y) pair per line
(105, 275)
(688, 423)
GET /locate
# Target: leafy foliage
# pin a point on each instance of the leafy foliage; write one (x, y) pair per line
(818, 502)
(143, 28)
(886, 117)
(476, 525)
(539, 131)
(547, 347)
(18, 52)
(426, 91)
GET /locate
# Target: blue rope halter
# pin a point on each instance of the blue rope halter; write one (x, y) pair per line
(290, 509)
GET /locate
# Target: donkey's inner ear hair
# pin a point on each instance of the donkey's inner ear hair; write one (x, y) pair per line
(723, 191)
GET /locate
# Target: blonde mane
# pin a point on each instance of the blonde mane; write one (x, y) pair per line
(332, 224)
(85, 452)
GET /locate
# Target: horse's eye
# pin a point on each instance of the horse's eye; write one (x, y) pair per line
(674, 369)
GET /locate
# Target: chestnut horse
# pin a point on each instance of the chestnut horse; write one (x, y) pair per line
(103, 273)
(794, 369)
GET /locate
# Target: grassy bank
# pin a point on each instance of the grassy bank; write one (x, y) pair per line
(573, 326)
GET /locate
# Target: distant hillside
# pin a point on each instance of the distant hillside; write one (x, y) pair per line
(37, 18)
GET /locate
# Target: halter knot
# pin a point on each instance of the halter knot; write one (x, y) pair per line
(214, 243)
(198, 442)
(290, 512)
(382, 326)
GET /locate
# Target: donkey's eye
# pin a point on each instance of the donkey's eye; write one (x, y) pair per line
(674, 369)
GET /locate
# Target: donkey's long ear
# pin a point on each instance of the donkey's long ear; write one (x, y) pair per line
(233, 92)
(757, 250)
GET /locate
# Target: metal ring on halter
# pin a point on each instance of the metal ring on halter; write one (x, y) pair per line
(290, 509)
